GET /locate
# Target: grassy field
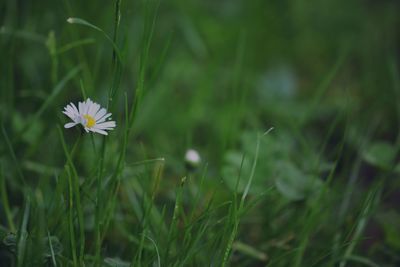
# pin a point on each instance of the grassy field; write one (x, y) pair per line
(292, 106)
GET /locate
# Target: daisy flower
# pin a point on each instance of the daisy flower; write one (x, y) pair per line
(90, 115)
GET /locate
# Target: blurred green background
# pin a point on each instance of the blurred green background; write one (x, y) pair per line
(324, 74)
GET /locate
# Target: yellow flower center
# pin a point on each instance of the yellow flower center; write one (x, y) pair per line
(90, 121)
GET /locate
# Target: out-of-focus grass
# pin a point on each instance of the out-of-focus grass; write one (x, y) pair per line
(321, 189)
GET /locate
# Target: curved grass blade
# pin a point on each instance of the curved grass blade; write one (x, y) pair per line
(83, 22)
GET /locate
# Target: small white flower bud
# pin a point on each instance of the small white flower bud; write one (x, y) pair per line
(192, 159)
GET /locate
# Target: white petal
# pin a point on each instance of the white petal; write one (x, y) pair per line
(68, 110)
(104, 118)
(104, 125)
(88, 105)
(74, 108)
(100, 114)
(93, 109)
(68, 107)
(71, 116)
(98, 131)
(70, 124)
(81, 105)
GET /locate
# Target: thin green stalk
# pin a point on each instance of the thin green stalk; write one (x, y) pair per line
(116, 25)
(156, 248)
(362, 260)
(116, 64)
(23, 235)
(53, 256)
(13, 156)
(24, 35)
(138, 256)
(173, 225)
(143, 65)
(52, 48)
(237, 210)
(99, 205)
(4, 200)
(71, 218)
(371, 201)
(198, 194)
(76, 188)
(75, 44)
(117, 172)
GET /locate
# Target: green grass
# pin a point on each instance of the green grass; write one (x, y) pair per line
(320, 189)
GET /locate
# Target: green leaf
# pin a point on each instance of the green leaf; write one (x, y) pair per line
(390, 221)
(293, 184)
(234, 167)
(380, 154)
